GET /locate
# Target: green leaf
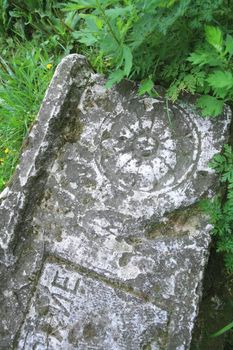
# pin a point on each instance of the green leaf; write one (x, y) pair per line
(146, 86)
(229, 44)
(220, 80)
(223, 330)
(108, 45)
(114, 78)
(80, 5)
(173, 92)
(210, 105)
(84, 37)
(214, 37)
(141, 29)
(93, 22)
(218, 163)
(118, 11)
(198, 57)
(167, 3)
(190, 83)
(201, 57)
(128, 59)
(16, 14)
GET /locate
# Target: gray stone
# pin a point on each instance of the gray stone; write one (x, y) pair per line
(102, 244)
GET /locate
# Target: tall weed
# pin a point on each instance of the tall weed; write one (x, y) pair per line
(146, 40)
(23, 81)
(221, 211)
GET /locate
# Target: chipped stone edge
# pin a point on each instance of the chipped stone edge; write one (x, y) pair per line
(73, 70)
(198, 293)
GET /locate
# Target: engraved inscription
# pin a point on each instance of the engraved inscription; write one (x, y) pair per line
(82, 314)
(57, 299)
(63, 283)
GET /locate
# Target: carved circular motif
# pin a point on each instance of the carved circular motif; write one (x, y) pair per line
(152, 150)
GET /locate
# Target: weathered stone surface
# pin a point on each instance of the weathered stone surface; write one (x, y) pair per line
(80, 312)
(102, 243)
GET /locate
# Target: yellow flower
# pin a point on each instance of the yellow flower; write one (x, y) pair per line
(1, 160)
(6, 150)
(49, 66)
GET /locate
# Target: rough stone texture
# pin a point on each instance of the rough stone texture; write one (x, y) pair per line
(102, 243)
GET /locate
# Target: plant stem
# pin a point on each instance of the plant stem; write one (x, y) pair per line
(107, 22)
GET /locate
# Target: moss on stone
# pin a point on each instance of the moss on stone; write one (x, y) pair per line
(178, 218)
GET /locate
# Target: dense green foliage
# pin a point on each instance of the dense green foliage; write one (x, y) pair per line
(221, 210)
(163, 42)
(23, 81)
(184, 45)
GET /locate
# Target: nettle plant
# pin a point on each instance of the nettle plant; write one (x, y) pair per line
(145, 40)
(151, 41)
(212, 73)
(221, 211)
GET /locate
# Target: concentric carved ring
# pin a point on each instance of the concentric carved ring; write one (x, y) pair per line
(148, 151)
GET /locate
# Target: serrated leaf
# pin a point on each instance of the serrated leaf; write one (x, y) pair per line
(201, 57)
(229, 44)
(198, 58)
(221, 93)
(108, 45)
(200, 78)
(80, 5)
(146, 86)
(228, 152)
(228, 176)
(220, 80)
(128, 59)
(118, 11)
(84, 37)
(93, 22)
(218, 163)
(114, 78)
(214, 37)
(142, 28)
(173, 92)
(190, 83)
(210, 106)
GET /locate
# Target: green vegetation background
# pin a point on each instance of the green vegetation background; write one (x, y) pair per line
(184, 45)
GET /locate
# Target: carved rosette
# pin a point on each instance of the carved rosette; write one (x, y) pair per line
(146, 153)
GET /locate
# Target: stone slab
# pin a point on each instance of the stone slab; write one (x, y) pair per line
(71, 310)
(102, 242)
